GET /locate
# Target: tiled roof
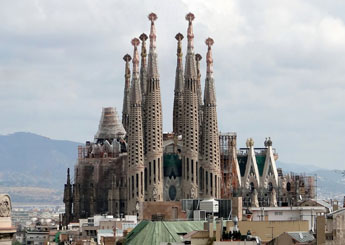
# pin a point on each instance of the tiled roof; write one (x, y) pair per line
(301, 236)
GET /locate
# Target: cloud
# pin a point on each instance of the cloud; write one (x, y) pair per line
(278, 67)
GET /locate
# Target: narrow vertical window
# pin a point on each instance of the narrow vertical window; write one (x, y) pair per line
(132, 185)
(211, 183)
(196, 172)
(129, 187)
(159, 169)
(137, 184)
(154, 171)
(150, 173)
(206, 175)
(192, 169)
(145, 179)
(215, 185)
(141, 182)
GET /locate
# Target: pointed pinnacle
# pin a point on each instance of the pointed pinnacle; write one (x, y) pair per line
(209, 60)
(68, 177)
(198, 57)
(143, 37)
(190, 35)
(179, 37)
(127, 58)
(135, 42)
(152, 17)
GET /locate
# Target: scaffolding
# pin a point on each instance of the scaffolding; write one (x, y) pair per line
(228, 159)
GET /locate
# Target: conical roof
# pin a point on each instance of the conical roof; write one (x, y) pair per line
(109, 126)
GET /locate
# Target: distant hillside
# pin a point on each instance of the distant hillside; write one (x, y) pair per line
(30, 160)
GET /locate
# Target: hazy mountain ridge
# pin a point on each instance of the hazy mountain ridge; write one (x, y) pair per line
(30, 160)
(39, 164)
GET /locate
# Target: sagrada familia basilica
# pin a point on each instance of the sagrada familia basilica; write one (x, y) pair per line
(132, 162)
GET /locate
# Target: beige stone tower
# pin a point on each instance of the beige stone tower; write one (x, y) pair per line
(178, 92)
(126, 107)
(190, 153)
(143, 80)
(153, 127)
(210, 144)
(198, 58)
(135, 179)
(143, 66)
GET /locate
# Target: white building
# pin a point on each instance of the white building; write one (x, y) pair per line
(288, 213)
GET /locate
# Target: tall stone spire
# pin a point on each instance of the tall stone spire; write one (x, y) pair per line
(143, 66)
(190, 153)
(67, 199)
(152, 58)
(178, 92)
(198, 58)
(153, 126)
(190, 68)
(143, 79)
(135, 140)
(125, 106)
(210, 144)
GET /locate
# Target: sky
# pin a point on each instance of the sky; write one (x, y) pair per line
(278, 67)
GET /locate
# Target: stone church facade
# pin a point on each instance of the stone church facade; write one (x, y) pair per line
(132, 161)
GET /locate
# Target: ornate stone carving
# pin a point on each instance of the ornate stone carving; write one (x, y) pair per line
(273, 198)
(155, 193)
(193, 193)
(250, 142)
(255, 202)
(5, 206)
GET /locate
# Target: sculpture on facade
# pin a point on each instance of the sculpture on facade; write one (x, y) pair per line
(5, 206)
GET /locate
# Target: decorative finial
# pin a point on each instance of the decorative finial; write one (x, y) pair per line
(198, 57)
(209, 60)
(250, 143)
(269, 141)
(135, 42)
(152, 17)
(179, 38)
(143, 37)
(190, 35)
(127, 58)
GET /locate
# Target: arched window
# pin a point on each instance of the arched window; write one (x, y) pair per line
(270, 186)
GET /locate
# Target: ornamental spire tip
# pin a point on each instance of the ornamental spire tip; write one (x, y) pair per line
(143, 37)
(135, 42)
(127, 58)
(190, 35)
(209, 60)
(152, 17)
